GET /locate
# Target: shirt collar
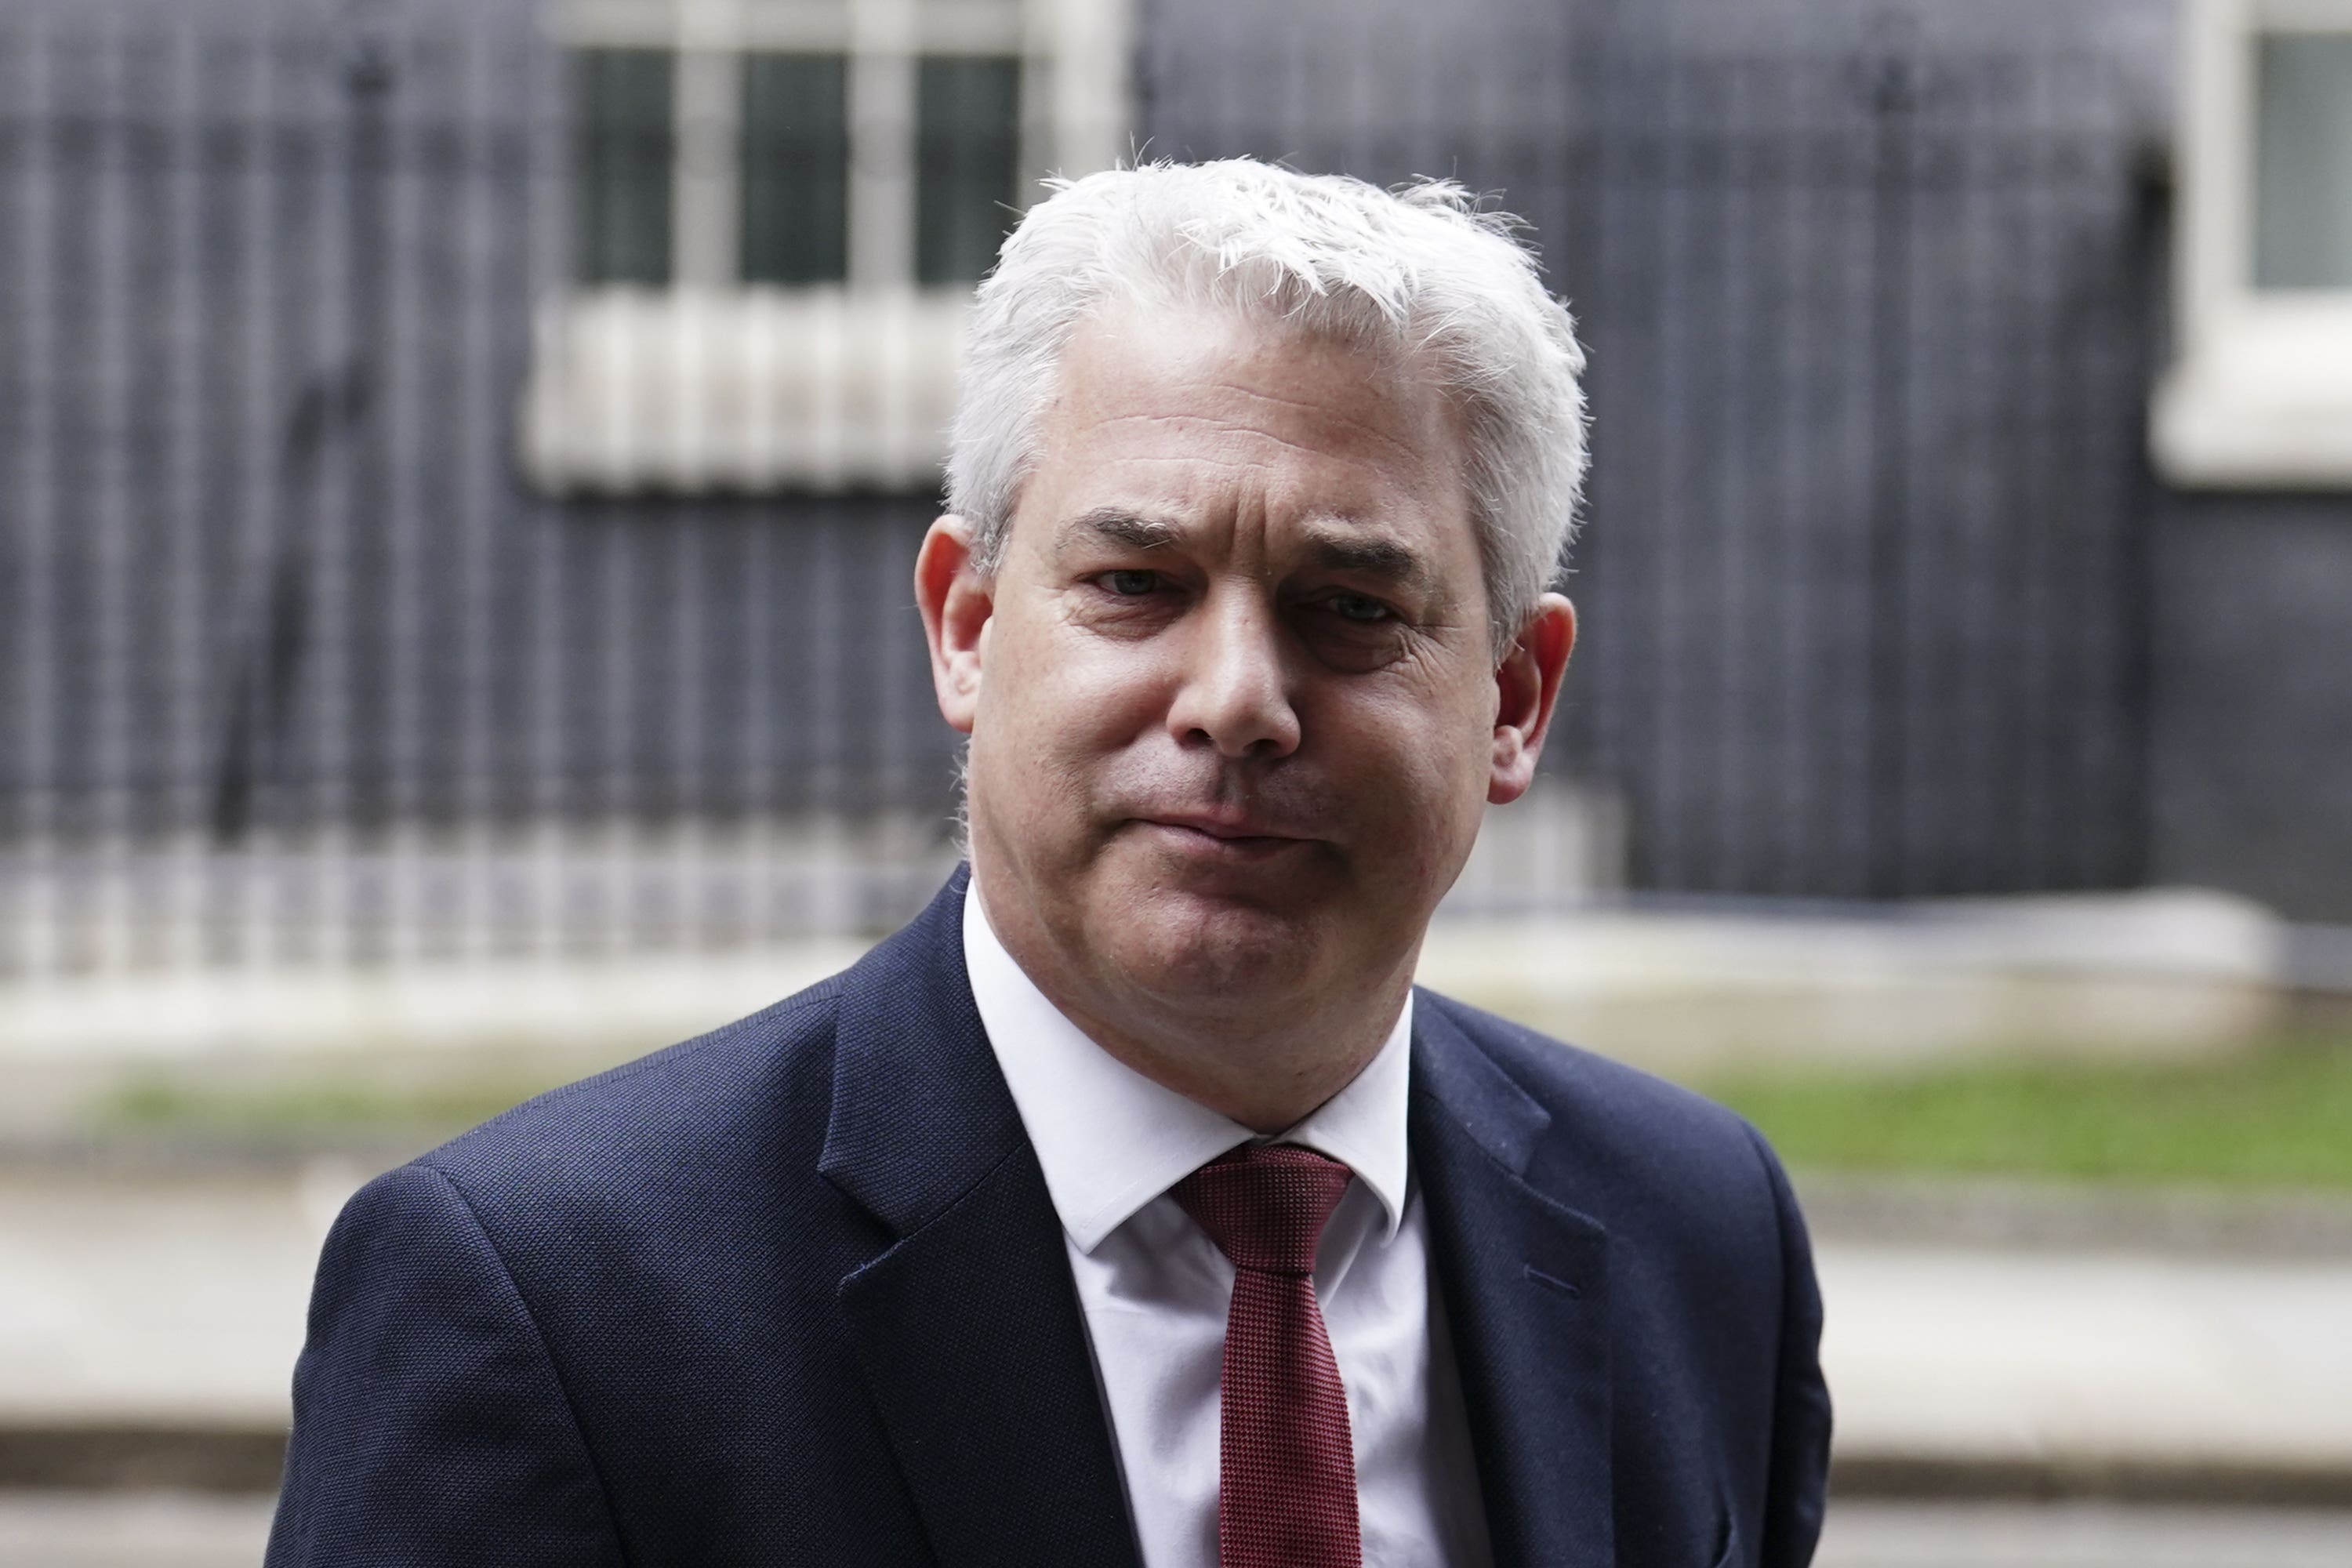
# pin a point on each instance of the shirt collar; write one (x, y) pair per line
(1111, 1140)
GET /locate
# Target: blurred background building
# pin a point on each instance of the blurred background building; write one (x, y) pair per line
(461, 463)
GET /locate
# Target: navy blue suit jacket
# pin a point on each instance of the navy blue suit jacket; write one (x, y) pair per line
(793, 1292)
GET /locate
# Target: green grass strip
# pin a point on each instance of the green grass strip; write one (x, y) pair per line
(2280, 1116)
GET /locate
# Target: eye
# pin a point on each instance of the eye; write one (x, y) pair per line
(1132, 583)
(1358, 607)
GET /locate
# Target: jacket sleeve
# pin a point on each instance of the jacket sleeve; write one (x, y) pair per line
(1798, 1483)
(431, 1426)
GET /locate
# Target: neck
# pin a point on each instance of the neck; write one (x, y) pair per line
(1262, 1078)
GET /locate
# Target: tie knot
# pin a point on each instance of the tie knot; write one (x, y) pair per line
(1265, 1204)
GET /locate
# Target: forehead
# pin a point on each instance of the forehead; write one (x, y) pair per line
(1208, 416)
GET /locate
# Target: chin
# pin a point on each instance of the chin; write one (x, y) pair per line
(1176, 942)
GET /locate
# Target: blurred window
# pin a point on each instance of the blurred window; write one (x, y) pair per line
(967, 141)
(2260, 393)
(890, 156)
(795, 168)
(626, 148)
(779, 208)
(2303, 162)
(639, 142)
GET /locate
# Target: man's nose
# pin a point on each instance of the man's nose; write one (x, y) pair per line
(1234, 694)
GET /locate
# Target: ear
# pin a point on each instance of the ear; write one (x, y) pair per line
(1527, 687)
(956, 603)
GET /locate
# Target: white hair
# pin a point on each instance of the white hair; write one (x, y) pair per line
(1420, 267)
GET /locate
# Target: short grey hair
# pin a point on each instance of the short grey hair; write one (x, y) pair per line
(1423, 268)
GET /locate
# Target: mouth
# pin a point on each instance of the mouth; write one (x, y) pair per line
(1222, 839)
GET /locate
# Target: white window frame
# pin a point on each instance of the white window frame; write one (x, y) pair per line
(2259, 396)
(711, 385)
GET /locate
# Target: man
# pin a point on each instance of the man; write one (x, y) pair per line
(1130, 1207)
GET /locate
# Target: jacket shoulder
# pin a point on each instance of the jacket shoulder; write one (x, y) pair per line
(1552, 1068)
(1653, 1137)
(758, 1086)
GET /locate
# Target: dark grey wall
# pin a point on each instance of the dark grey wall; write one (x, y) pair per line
(2252, 772)
(264, 558)
(1879, 596)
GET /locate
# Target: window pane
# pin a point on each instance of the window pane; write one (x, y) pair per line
(626, 148)
(795, 169)
(2303, 199)
(967, 146)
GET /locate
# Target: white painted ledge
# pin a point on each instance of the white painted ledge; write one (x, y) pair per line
(689, 391)
(2262, 400)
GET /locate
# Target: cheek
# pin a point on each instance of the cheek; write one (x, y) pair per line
(1054, 695)
(1428, 754)
(1418, 764)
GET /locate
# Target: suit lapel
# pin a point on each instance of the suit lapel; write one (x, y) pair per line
(1526, 1286)
(967, 1327)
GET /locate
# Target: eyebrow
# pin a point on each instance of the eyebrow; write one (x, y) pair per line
(1381, 561)
(1109, 525)
(1380, 558)
(1332, 549)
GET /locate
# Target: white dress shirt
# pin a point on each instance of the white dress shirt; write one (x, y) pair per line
(1154, 1289)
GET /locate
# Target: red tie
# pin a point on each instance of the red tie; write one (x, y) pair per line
(1286, 1463)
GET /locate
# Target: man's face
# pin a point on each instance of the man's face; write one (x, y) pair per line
(1233, 703)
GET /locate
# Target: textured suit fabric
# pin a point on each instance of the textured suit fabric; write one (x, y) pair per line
(793, 1292)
